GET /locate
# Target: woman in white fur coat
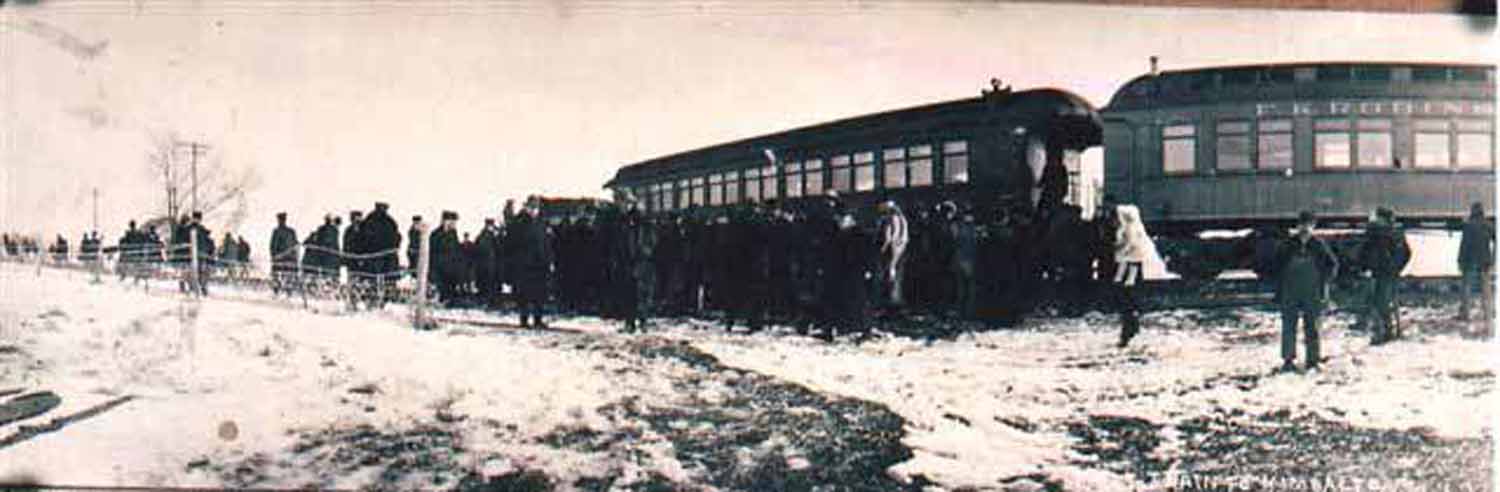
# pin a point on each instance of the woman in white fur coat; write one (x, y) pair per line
(1132, 247)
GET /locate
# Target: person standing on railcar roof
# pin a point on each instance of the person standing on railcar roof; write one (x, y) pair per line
(1304, 267)
(1384, 254)
(1133, 246)
(1476, 255)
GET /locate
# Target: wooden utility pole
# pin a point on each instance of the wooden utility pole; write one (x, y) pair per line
(194, 148)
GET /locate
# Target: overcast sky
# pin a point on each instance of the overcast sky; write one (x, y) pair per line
(461, 105)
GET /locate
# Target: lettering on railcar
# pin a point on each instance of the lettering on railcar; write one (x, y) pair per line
(1385, 107)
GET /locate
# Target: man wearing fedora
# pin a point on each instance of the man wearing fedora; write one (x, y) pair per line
(1304, 267)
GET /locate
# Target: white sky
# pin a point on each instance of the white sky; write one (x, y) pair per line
(460, 105)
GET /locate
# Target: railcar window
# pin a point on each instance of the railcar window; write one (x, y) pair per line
(1333, 150)
(1306, 74)
(1233, 145)
(1473, 125)
(1432, 150)
(1401, 74)
(1429, 74)
(1280, 75)
(731, 188)
(864, 171)
(1375, 143)
(1465, 74)
(684, 194)
(956, 162)
(1267, 126)
(1372, 74)
(1239, 77)
(919, 169)
(895, 167)
(752, 185)
(1179, 131)
(1274, 144)
(1327, 124)
(769, 188)
(716, 189)
(1476, 143)
(794, 179)
(814, 180)
(842, 179)
(1179, 149)
(698, 191)
(1476, 150)
(1334, 74)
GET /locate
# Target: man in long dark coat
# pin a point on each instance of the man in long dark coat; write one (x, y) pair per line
(354, 249)
(533, 257)
(383, 239)
(205, 251)
(283, 255)
(132, 253)
(487, 268)
(446, 258)
(413, 243)
(853, 267)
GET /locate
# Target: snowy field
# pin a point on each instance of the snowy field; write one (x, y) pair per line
(240, 390)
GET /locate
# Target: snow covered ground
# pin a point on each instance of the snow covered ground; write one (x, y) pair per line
(240, 390)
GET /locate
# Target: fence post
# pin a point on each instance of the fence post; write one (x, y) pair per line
(424, 263)
(41, 253)
(193, 264)
(98, 262)
(302, 282)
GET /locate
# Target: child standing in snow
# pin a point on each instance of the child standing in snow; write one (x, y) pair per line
(1132, 247)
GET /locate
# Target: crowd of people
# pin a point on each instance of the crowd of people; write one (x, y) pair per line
(817, 264)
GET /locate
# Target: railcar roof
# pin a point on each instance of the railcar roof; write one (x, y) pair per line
(1203, 84)
(752, 146)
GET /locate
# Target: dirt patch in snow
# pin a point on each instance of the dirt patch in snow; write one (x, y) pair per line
(741, 430)
(717, 428)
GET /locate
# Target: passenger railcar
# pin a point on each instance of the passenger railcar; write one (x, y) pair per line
(1250, 146)
(978, 150)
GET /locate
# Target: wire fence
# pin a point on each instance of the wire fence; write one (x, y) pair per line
(310, 275)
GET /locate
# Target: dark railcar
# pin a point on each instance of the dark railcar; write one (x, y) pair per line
(1250, 146)
(979, 150)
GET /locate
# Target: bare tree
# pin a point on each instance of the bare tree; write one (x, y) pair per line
(222, 190)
